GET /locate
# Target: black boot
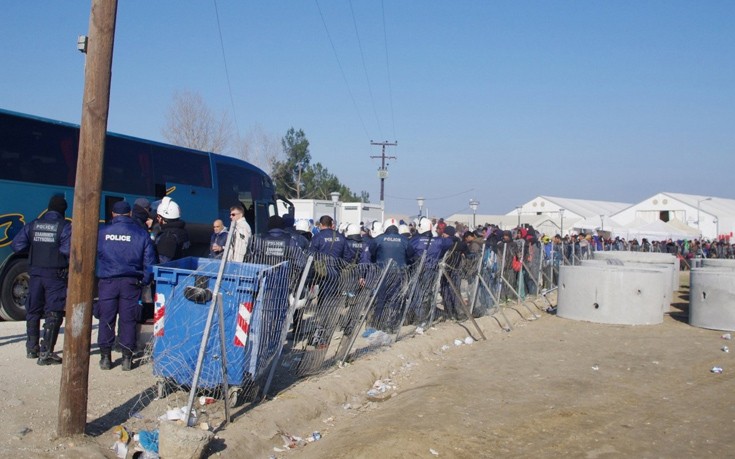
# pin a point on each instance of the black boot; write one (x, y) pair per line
(51, 328)
(32, 347)
(105, 359)
(127, 361)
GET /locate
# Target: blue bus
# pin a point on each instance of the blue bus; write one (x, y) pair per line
(38, 158)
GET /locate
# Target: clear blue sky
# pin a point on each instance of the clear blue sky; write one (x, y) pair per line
(497, 101)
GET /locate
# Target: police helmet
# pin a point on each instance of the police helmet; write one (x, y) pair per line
(425, 225)
(168, 209)
(352, 230)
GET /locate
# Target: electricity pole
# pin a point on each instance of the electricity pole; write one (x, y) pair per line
(383, 172)
(73, 393)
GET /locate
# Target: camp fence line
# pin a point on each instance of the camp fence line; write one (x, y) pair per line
(272, 320)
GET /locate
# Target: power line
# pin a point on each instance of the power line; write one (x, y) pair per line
(339, 64)
(364, 67)
(387, 67)
(227, 72)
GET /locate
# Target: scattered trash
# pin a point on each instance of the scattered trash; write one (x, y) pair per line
(206, 400)
(122, 438)
(458, 342)
(419, 330)
(380, 338)
(291, 441)
(469, 340)
(725, 349)
(179, 415)
(315, 436)
(148, 443)
(368, 331)
(444, 347)
(595, 367)
(726, 336)
(433, 451)
(716, 370)
(346, 406)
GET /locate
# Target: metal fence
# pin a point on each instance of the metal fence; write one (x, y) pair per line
(247, 330)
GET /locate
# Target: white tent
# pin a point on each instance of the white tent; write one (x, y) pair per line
(654, 231)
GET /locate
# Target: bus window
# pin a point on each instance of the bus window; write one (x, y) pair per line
(38, 153)
(238, 184)
(171, 166)
(127, 167)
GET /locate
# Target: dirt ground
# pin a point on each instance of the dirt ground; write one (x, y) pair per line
(551, 387)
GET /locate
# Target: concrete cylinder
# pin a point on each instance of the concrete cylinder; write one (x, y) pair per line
(647, 258)
(612, 294)
(666, 269)
(712, 298)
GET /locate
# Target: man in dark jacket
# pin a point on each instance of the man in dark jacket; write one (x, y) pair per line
(125, 255)
(48, 240)
(173, 239)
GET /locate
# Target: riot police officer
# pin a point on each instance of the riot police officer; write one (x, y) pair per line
(48, 240)
(125, 255)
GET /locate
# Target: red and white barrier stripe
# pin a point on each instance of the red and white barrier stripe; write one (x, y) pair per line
(158, 314)
(244, 312)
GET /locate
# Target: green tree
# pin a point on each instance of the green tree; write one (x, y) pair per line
(295, 177)
(288, 174)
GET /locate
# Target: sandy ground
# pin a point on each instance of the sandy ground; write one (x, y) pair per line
(551, 387)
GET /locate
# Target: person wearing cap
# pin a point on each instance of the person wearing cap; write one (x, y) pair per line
(275, 246)
(142, 213)
(48, 241)
(125, 256)
(218, 239)
(289, 226)
(241, 234)
(172, 241)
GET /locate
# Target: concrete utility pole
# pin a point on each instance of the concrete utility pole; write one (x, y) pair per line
(383, 172)
(72, 416)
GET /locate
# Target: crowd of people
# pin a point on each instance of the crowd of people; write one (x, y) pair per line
(144, 234)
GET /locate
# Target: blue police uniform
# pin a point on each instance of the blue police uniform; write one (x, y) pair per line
(353, 249)
(125, 255)
(435, 247)
(388, 246)
(48, 241)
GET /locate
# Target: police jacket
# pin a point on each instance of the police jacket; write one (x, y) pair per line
(353, 249)
(172, 241)
(389, 246)
(276, 243)
(328, 242)
(299, 238)
(124, 249)
(48, 241)
(434, 246)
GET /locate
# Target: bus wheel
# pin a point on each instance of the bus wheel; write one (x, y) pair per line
(14, 291)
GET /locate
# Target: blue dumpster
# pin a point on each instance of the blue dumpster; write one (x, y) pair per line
(254, 303)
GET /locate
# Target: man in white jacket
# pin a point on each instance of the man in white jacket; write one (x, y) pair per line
(240, 236)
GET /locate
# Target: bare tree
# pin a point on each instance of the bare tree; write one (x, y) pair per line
(259, 148)
(191, 123)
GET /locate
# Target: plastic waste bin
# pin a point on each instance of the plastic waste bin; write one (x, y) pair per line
(254, 303)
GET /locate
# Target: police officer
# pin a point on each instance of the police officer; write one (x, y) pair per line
(125, 255)
(390, 245)
(173, 239)
(47, 239)
(274, 246)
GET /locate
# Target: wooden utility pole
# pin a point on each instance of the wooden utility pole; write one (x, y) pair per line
(72, 417)
(383, 172)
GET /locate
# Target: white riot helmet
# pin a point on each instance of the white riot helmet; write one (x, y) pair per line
(342, 227)
(168, 209)
(425, 225)
(403, 229)
(352, 230)
(302, 225)
(390, 222)
(376, 229)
